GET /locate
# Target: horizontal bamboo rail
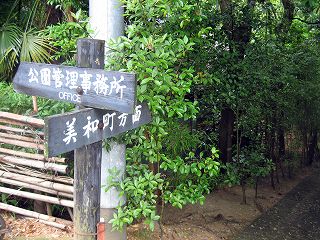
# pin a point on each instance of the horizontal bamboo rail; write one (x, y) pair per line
(22, 138)
(23, 119)
(20, 130)
(25, 212)
(38, 181)
(35, 187)
(36, 196)
(34, 163)
(33, 156)
(34, 173)
(21, 143)
(54, 224)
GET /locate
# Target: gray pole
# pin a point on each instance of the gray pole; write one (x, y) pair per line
(106, 19)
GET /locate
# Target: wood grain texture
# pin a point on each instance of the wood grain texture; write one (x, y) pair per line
(87, 183)
(99, 95)
(56, 127)
(87, 165)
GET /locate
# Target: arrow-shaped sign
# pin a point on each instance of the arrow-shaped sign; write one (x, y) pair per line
(69, 131)
(95, 88)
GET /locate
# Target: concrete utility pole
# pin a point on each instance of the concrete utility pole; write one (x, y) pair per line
(106, 19)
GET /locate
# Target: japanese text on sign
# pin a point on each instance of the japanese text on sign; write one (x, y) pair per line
(99, 83)
(69, 131)
(97, 88)
(92, 125)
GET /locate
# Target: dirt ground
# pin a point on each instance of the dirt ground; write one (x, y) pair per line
(220, 218)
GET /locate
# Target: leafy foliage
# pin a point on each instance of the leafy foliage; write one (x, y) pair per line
(251, 165)
(194, 59)
(21, 43)
(22, 104)
(63, 36)
(159, 58)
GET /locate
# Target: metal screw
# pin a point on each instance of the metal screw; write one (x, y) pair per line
(79, 90)
(100, 125)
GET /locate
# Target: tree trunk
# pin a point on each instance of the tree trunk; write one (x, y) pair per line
(270, 141)
(54, 15)
(312, 147)
(68, 12)
(226, 126)
(244, 196)
(256, 187)
(282, 147)
(305, 148)
(39, 206)
(272, 180)
(239, 37)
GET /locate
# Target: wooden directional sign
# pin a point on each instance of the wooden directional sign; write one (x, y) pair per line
(69, 131)
(95, 88)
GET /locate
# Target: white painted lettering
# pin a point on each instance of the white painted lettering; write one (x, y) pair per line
(123, 119)
(116, 85)
(70, 133)
(33, 74)
(100, 85)
(45, 76)
(137, 114)
(86, 81)
(108, 120)
(57, 77)
(91, 127)
(70, 97)
(72, 79)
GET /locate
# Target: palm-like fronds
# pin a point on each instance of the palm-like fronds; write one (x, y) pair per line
(9, 44)
(34, 47)
(21, 45)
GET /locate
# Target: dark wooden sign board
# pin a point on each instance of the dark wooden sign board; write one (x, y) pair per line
(90, 87)
(69, 131)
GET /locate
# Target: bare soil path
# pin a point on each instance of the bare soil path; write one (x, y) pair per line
(222, 217)
(295, 217)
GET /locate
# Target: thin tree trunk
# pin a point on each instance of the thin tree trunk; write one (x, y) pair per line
(244, 197)
(282, 147)
(39, 206)
(256, 187)
(277, 169)
(305, 148)
(272, 179)
(312, 147)
(226, 126)
(271, 155)
(68, 12)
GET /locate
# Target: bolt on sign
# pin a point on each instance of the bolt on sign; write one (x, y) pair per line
(69, 131)
(90, 87)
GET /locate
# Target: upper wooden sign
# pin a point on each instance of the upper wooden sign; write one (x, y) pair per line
(95, 88)
(69, 131)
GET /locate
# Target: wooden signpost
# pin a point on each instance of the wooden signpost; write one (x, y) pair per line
(69, 131)
(83, 130)
(86, 86)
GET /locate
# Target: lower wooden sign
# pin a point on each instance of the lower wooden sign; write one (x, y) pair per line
(69, 131)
